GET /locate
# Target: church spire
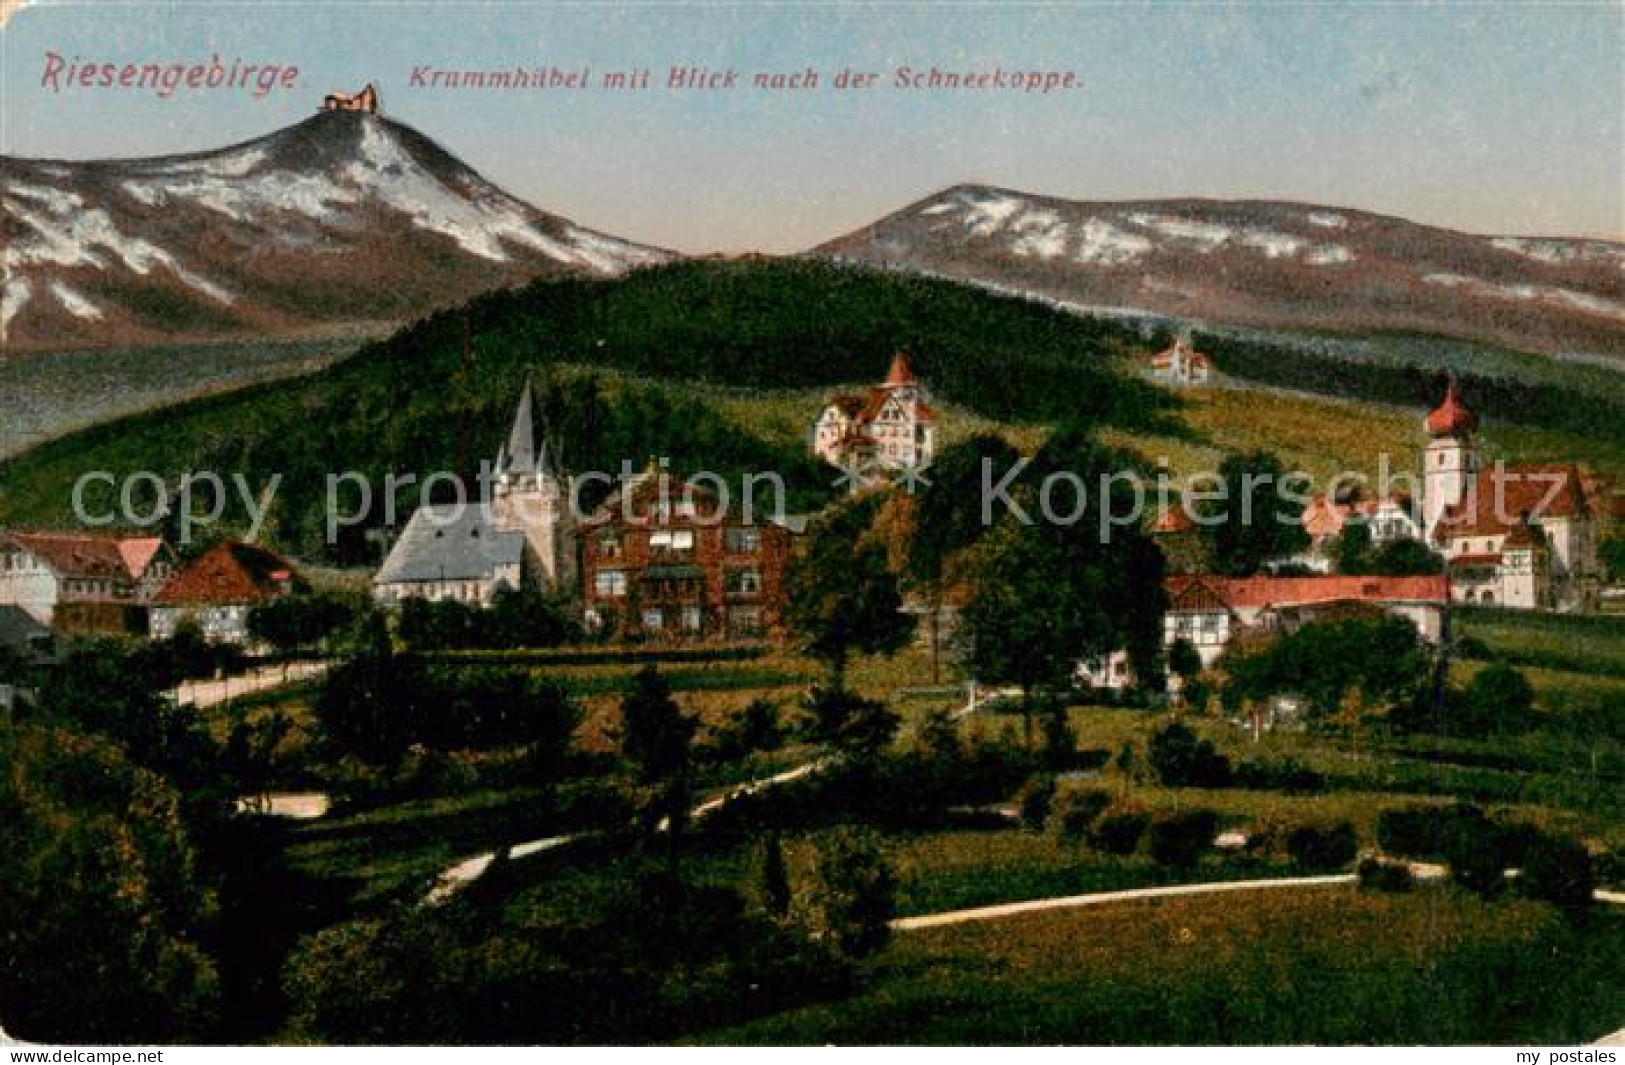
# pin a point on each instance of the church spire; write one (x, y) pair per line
(519, 455)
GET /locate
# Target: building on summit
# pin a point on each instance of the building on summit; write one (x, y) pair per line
(888, 427)
(523, 536)
(365, 101)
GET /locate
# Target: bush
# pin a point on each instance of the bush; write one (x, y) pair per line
(1179, 840)
(1118, 831)
(1183, 761)
(1317, 847)
(1476, 850)
(1288, 775)
(856, 893)
(1035, 801)
(1378, 875)
(1557, 869)
(1498, 700)
(1077, 811)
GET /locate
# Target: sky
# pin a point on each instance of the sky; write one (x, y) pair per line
(1490, 118)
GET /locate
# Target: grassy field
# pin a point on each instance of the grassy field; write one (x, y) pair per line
(1329, 966)
(1557, 642)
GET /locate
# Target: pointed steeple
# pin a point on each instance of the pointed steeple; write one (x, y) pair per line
(1452, 417)
(519, 455)
(902, 374)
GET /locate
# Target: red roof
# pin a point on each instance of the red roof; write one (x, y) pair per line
(1451, 418)
(901, 374)
(1174, 519)
(1506, 497)
(85, 554)
(230, 574)
(1257, 592)
(1196, 596)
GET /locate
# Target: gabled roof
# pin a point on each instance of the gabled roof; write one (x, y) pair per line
(451, 543)
(1502, 499)
(901, 373)
(1196, 596)
(1174, 519)
(88, 554)
(229, 574)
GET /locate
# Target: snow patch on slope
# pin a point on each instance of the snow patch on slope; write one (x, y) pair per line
(13, 294)
(986, 215)
(1581, 301)
(1107, 245)
(1040, 233)
(75, 303)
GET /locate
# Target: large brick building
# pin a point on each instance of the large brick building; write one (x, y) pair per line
(663, 561)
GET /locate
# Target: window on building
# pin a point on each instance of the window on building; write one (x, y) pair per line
(745, 621)
(692, 619)
(654, 620)
(742, 541)
(609, 582)
(671, 540)
(743, 581)
(608, 545)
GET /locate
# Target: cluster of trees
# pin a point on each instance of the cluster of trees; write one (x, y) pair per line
(1372, 660)
(1356, 555)
(379, 704)
(1480, 849)
(107, 788)
(516, 618)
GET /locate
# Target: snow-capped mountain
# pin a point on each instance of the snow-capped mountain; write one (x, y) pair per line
(343, 217)
(1264, 264)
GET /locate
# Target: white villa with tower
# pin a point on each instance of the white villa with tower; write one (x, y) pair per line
(890, 427)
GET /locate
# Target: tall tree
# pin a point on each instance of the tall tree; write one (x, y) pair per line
(946, 520)
(843, 596)
(1071, 584)
(1257, 516)
(658, 739)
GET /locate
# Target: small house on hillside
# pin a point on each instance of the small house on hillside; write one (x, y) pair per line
(1181, 366)
(219, 589)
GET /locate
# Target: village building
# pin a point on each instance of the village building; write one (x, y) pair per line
(83, 582)
(665, 561)
(219, 589)
(1520, 535)
(888, 427)
(1181, 366)
(524, 536)
(1387, 519)
(1210, 612)
(365, 101)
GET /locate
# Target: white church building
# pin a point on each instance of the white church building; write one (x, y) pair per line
(523, 536)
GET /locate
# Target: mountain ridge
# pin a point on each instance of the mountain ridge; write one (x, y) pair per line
(341, 217)
(1272, 264)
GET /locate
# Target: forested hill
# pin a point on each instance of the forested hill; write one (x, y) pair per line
(437, 395)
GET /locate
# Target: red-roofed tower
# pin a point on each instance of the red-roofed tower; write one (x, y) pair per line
(1450, 463)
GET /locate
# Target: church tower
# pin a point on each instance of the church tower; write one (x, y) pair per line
(1450, 463)
(532, 495)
